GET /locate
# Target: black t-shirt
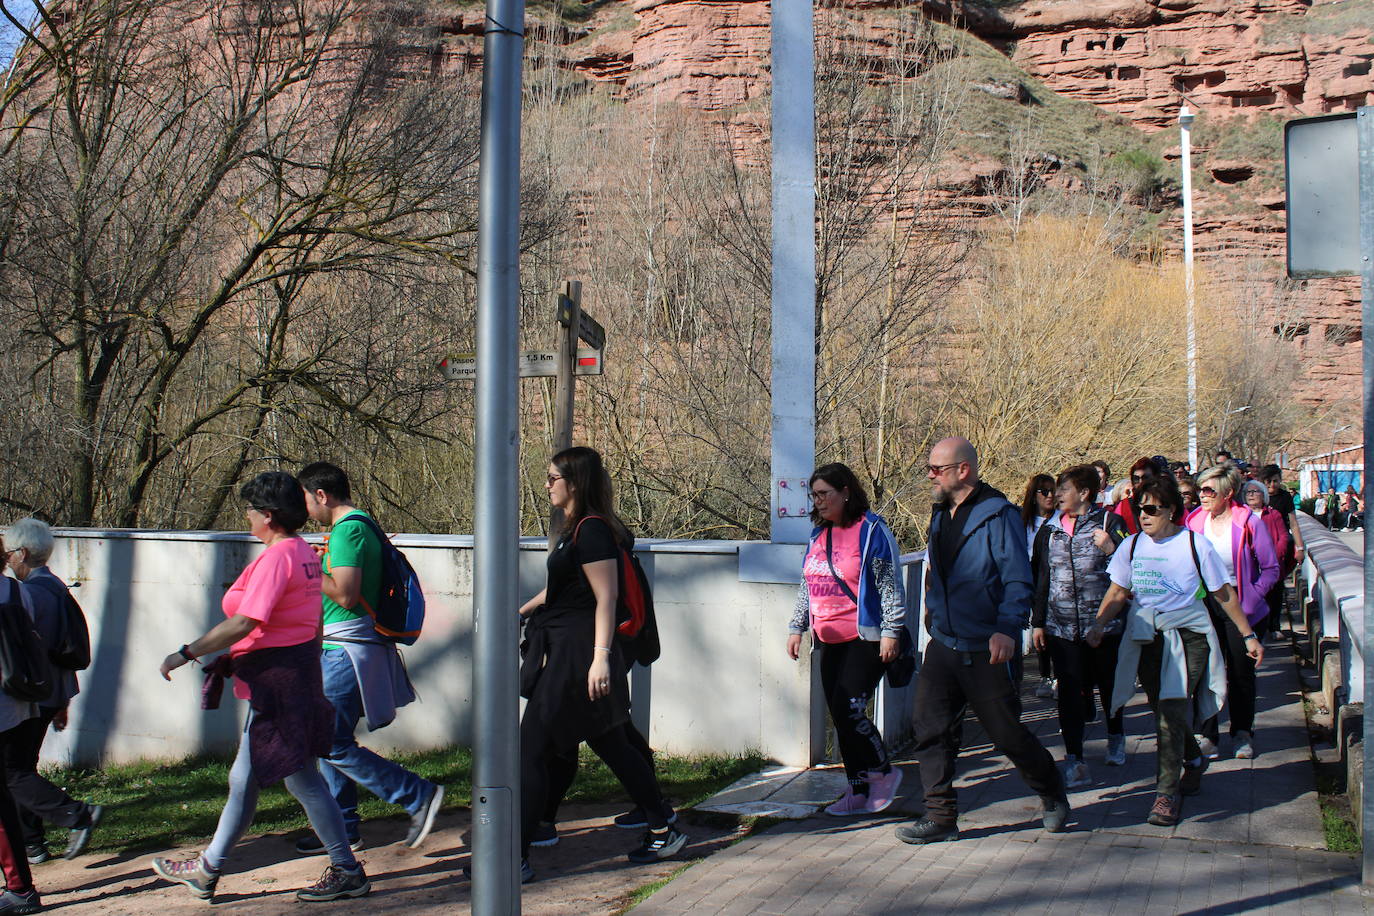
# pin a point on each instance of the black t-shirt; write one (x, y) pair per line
(1283, 502)
(952, 528)
(567, 587)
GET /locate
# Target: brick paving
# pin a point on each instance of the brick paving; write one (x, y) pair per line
(1250, 843)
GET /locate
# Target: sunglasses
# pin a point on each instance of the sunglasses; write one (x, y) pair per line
(1207, 491)
(1153, 510)
(1043, 491)
(1141, 478)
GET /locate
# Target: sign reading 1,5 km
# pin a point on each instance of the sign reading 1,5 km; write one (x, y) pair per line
(533, 364)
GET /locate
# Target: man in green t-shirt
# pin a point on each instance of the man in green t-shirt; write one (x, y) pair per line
(363, 674)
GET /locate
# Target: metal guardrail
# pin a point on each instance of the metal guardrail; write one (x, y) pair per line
(1332, 604)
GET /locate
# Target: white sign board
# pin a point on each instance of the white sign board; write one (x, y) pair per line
(533, 364)
(1322, 188)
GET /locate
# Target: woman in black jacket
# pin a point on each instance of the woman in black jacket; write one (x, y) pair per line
(1069, 560)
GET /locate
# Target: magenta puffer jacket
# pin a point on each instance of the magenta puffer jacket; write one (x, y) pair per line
(1252, 551)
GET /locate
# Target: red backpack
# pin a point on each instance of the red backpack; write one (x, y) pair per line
(635, 622)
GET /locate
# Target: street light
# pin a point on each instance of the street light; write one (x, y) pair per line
(1221, 435)
(1185, 124)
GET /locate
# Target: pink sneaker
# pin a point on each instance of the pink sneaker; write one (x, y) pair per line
(848, 805)
(882, 789)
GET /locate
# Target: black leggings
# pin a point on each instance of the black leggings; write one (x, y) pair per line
(563, 771)
(1240, 678)
(1080, 668)
(849, 673)
(626, 761)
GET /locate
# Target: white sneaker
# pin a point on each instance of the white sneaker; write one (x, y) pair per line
(1116, 750)
(1208, 748)
(1046, 689)
(1245, 748)
(1076, 774)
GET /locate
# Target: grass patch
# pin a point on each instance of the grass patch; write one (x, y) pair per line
(1338, 827)
(161, 805)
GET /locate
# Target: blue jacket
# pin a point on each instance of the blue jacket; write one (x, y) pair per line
(882, 600)
(987, 590)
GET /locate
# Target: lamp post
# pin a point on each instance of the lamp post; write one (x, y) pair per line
(1331, 457)
(1221, 434)
(1185, 124)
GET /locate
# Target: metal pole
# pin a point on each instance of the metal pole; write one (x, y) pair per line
(1365, 128)
(565, 387)
(496, 529)
(1185, 124)
(794, 260)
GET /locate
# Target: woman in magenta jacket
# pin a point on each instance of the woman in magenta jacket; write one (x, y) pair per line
(1247, 550)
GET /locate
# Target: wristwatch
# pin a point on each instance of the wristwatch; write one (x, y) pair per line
(1254, 636)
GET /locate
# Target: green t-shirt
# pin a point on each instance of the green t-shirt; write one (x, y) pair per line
(352, 543)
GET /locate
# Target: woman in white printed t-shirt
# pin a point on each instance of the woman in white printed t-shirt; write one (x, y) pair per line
(1169, 640)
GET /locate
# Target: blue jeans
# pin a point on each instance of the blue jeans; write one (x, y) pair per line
(349, 765)
(307, 787)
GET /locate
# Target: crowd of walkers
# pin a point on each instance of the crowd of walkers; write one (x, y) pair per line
(1162, 580)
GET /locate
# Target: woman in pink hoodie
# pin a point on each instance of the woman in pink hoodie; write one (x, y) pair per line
(1247, 550)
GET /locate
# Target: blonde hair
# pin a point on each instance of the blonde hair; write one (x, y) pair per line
(1225, 477)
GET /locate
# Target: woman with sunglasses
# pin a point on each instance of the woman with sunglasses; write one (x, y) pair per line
(1143, 471)
(1169, 641)
(1187, 489)
(1252, 566)
(1070, 567)
(574, 673)
(852, 601)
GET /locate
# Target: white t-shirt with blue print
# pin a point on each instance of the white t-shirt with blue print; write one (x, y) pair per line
(1162, 574)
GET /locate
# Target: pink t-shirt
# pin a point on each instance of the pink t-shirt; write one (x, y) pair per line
(834, 617)
(281, 590)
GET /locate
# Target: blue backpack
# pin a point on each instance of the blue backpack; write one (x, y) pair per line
(400, 612)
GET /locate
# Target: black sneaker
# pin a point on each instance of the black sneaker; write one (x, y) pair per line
(80, 837)
(545, 834)
(336, 883)
(658, 846)
(38, 854)
(1190, 783)
(919, 833)
(422, 821)
(16, 902)
(1054, 814)
(310, 845)
(191, 872)
(634, 819)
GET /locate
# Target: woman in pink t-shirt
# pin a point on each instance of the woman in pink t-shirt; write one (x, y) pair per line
(852, 600)
(272, 632)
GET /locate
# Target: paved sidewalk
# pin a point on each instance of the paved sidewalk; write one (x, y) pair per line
(1251, 842)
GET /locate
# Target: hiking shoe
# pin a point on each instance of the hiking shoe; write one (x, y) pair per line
(16, 902)
(1245, 747)
(882, 789)
(1208, 747)
(336, 883)
(310, 845)
(919, 833)
(1045, 690)
(526, 871)
(849, 804)
(1190, 783)
(1116, 750)
(37, 854)
(80, 837)
(1055, 813)
(1165, 811)
(422, 821)
(545, 834)
(1076, 774)
(192, 872)
(658, 846)
(634, 819)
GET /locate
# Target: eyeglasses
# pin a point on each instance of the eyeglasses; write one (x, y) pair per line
(941, 468)
(552, 477)
(1141, 478)
(822, 494)
(1045, 491)
(1207, 491)
(1152, 510)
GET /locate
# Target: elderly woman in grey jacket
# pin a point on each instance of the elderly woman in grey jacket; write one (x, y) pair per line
(1069, 561)
(30, 544)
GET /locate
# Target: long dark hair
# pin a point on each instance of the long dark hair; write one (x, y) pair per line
(586, 479)
(1029, 508)
(840, 476)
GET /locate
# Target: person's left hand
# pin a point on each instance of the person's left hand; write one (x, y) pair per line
(599, 676)
(1255, 649)
(888, 648)
(170, 664)
(1001, 648)
(59, 720)
(1104, 542)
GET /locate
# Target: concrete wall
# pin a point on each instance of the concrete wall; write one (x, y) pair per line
(724, 683)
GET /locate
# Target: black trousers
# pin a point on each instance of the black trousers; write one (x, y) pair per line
(1240, 677)
(13, 862)
(850, 671)
(38, 799)
(537, 756)
(947, 681)
(1082, 669)
(563, 771)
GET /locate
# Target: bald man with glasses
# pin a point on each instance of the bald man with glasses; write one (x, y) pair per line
(978, 602)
